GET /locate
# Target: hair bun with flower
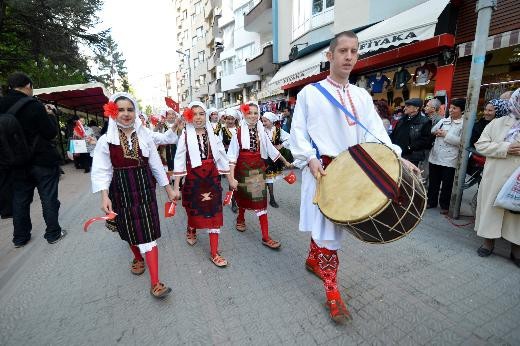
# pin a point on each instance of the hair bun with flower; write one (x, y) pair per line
(188, 115)
(245, 108)
(111, 109)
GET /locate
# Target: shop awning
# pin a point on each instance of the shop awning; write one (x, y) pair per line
(502, 40)
(88, 98)
(416, 24)
(298, 69)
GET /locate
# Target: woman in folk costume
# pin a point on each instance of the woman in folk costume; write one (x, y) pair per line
(201, 158)
(231, 118)
(212, 117)
(500, 143)
(247, 152)
(125, 168)
(280, 139)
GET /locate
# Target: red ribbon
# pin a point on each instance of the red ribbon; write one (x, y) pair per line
(109, 216)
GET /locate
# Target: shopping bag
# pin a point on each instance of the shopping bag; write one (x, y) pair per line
(509, 196)
(78, 146)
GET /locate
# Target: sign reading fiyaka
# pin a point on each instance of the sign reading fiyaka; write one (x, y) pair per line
(394, 39)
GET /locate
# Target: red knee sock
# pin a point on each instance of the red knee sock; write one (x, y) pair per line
(264, 226)
(213, 244)
(152, 260)
(241, 215)
(137, 253)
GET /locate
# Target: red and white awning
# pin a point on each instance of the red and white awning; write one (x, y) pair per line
(503, 40)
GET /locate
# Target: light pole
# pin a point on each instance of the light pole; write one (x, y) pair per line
(189, 71)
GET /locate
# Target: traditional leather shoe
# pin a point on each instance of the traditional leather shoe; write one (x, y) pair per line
(160, 290)
(137, 266)
(273, 204)
(483, 252)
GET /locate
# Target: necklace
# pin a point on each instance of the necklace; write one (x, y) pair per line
(346, 91)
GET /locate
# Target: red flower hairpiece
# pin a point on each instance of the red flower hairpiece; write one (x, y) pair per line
(188, 115)
(111, 110)
(245, 109)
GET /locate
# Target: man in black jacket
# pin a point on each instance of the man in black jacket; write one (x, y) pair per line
(42, 171)
(412, 132)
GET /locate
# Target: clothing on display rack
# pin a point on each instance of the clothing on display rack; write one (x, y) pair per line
(378, 82)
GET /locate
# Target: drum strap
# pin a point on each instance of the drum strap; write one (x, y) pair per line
(343, 109)
(376, 173)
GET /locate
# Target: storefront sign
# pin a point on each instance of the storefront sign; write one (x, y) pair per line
(395, 39)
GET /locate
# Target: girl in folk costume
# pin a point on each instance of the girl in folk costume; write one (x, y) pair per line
(230, 118)
(280, 139)
(247, 152)
(212, 114)
(201, 158)
(125, 168)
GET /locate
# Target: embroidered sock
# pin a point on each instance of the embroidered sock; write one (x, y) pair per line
(213, 244)
(152, 260)
(136, 252)
(264, 226)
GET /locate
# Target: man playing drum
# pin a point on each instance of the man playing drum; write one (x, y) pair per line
(319, 128)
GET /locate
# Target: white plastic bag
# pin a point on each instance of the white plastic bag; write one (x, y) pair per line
(509, 196)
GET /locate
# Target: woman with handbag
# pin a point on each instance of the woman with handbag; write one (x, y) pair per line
(500, 143)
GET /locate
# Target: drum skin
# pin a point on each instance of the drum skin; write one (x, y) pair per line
(347, 196)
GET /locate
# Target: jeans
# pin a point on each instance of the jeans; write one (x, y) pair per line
(45, 179)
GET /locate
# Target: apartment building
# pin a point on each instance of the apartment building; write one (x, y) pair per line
(198, 44)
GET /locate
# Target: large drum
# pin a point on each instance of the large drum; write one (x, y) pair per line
(347, 196)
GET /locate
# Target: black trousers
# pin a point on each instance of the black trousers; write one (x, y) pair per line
(6, 193)
(45, 179)
(440, 178)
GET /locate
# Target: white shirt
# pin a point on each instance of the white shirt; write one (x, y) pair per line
(102, 170)
(284, 136)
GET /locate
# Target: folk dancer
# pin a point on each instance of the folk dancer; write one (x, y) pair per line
(247, 152)
(313, 132)
(125, 167)
(201, 159)
(231, 118)
(213, 118)
(280, 139)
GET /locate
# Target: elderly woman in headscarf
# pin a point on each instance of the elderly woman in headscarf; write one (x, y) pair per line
(201, 159)
(280, 139)
(495, 108)
(125, 169)
(247, 152)
(500, 143)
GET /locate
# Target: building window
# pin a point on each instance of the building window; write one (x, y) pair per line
(202, 79)
(201, 56)
(194, 40)
(308, 15)
(186, 36)
(227, 67)
(239, 14)
(319, 5)
(243, 53)
(195, 62)
(197, 83)
(199, 32)
(198, 7)
(185, 14)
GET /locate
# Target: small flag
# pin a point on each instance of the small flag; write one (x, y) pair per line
(172, 104)
(169, 209)
(227, 199)
(109, 216)
(290, 178)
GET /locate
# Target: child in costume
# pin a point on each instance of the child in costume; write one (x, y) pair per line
(201, 159)
(247, 152)
(125, 168)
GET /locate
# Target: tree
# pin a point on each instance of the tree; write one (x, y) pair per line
(111, 66)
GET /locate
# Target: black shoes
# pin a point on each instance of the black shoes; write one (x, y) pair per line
(62, 235)
(483, 252)
(515, 260)
(22, 244)
(273, 203)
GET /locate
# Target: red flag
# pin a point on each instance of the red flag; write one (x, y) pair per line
(89, 222)
(172, 104)
(79, 130)
(169, 209)
(290, 178)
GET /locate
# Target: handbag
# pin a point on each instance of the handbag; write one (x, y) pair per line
(509, 196)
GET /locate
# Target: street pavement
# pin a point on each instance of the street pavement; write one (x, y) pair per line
(428, 288)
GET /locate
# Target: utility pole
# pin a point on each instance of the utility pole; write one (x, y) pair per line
(189, 71)
(484, 10)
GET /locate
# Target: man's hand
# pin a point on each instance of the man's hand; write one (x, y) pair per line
(106, 204)
(514, 149)
(411, 166)
(316, 168)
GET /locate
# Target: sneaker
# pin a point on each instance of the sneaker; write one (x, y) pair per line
(62, 235)
(19, 245)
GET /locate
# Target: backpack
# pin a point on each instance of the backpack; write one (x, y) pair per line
(14, 148)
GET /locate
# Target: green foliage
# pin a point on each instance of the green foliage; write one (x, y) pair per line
(43, 38)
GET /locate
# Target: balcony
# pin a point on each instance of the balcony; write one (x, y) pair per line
(214, 87)
(208, 9)
(210, 37)
(260, 18)
(262, 62)
(212, 62)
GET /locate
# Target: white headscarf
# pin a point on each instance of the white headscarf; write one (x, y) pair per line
(209, 111)
(232, 113)
(113, 133)
(271, 117)
(262, 135)
(192, 141)
(514, 104)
